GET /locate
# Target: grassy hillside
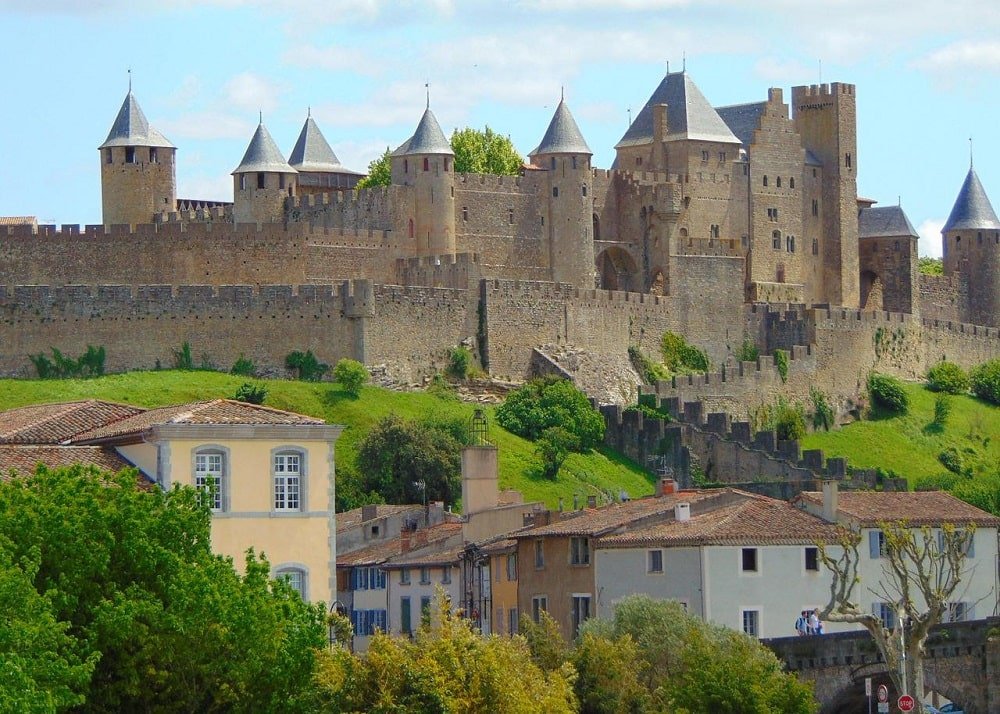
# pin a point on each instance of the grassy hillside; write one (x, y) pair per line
(582, 474)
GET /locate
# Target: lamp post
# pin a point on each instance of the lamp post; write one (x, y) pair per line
(336, 607)
(901, 613)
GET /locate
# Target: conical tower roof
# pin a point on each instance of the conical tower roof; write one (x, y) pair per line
(563, 135)
(972, 209)
(132, 129)
(313, 153)
(427, 139)
(263, 155)
(689, 115)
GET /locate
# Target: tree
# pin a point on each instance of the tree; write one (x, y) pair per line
(484, 152)
(549, 402)
(128, 575)
(398, 455)
(351, 375)
(608, 672)
(379, 171)
(986, 381)
(921, 571)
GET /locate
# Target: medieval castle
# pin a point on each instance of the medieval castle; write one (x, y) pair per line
(720, 223)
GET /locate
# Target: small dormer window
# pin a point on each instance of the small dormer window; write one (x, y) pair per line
(261, 180)
(152, 155)
(130, 155)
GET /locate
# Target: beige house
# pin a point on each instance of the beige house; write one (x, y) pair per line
(268, 474)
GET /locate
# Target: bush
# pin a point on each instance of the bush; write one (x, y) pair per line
(787, 420)
(458, 363)
(542, 403)
(888, 393)
(89, 364)
(986, 381)
(553, 447)
(748, 351)
(251, 393)
(679, 356)
(183, 359)
(952, 460)
(651, 372)
(781, 362)
(244, 367)
(942, 410)
(306, 366)
(947, 377)
(822, 414)
(351, 375)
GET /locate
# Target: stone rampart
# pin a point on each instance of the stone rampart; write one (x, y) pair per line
(461, 271)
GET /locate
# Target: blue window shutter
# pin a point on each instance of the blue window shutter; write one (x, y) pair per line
(970, 550)
(873, 549)
(354, 580)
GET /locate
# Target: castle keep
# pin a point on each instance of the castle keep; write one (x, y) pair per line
(722, 223)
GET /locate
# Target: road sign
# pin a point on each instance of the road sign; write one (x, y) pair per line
(883, 708)
(868, 686)
(883, 693)
(906, 703)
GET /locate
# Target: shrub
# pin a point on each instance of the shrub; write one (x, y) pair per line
(790, 423)
(442, 388)
(458, 363)
(183, 359)
(947, 377)
(680, 356)
(651, 372)
(306, 366)
(952, 460)
(942, 410)
(986, 381)
(251, 393)
(243, 367)
(822, 414)
(781, 362)
(553, 447)
(89, 364)
(351, 375)
(888, 393)
(542, 403)
(748, 351)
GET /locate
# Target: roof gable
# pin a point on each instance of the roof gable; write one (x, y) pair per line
(972, 209)
(880, 221)
(917, 508)
(132, 129)
(263, 155)
(563, 135)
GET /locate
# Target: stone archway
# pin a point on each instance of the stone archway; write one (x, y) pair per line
(617, 270)
(871, 291)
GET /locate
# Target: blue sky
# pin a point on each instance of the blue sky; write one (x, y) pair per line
(926, 73)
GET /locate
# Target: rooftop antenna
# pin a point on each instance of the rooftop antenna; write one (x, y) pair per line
(684, 61)
(562, 92)
(129, 80)
(629, 110)
(309, 112)
(260, 115)
(970, 153)
(427, 88)
(899, 200)
(668, 66)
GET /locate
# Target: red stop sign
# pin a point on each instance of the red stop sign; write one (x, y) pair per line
(906, 703)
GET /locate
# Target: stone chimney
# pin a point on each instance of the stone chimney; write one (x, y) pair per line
(480, 490)
(405, 541)
(666, 487)
(369, 512)
(682, 512)
(831, 495)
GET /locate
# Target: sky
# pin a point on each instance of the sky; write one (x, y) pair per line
(204, 72)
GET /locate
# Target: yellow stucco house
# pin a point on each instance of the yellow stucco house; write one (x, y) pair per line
(269, 474)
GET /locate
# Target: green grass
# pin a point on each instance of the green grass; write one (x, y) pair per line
(583, 474)
(909, 445)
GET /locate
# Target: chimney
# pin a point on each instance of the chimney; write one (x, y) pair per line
(404, 541)
(591, 501)
(480, 490)
(369, 512)
(660, 128)
(666, 486)
(682, 512)
(831, 499)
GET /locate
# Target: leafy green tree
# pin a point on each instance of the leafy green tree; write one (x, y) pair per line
(608, 672)
(888, 394)
(397, 455)
(930, 266)
(554, 447)
(986, 381)
(379, 171)
(351, 375)
(484, 152)
(547, 402)
(165, 623)
(243, 367)
(306, 366)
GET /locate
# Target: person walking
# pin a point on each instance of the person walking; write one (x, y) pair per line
(813, 626)
(801, 624)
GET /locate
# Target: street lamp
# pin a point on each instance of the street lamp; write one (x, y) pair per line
(338, 608)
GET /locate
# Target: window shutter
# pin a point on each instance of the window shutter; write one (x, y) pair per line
(354, 581)
(873, 549)
(970, 549)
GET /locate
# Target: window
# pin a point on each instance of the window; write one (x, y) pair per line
(812, 559)
(885, 612)
(638, 161)
(406, 166)
(130, 155)
(655, 561)
(296, 577)
(776, 240)
(405, 616)
(287, 481)
(777, 182)
(208, 477)
(714, 231)
(815, 207)
(512, 567)
(427, 164)
(979, 238)
(751, 622)
(573, 159)
(772, 214)
(581, 610)
(261, 180)
(722, 157)
(791, 182)
(375, 531)
(368, 622)
(555, 192)
(243, 182)
(510, 216)
(790, 244)
(539, 553)
(959, 612)
(748, 560)
(704, 157)
(367, 578)
(410, 229)
(876, 544)
(539, 604)
(847, 160)
(404, 576)
(465, 213)
(512, 617)
(579, 551)
(499, 622)
(446, 164)
(552, 163)
(765, 180)
(815, 247)
(152, 155)
(814, 173)
(584, 189)
(281, 181)
(425, 576)
(107, 156)
(446, 574)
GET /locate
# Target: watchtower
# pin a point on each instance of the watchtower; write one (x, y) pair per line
(262, 181)
(568, 209)
(137, 169)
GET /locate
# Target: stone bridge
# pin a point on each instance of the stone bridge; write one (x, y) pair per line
(962, 664)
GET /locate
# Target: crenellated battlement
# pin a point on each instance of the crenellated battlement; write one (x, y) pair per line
(963, 328)
(818, 91)
(493, 183)
(189, 231)
(311, 201)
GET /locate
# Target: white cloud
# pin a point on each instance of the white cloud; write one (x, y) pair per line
(205, 188)
(251, 92)
(930, 237)
(207, 125)
(963, 56)
(332, 58)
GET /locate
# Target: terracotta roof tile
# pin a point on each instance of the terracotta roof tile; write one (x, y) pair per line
(756, 521)
(23, 459)
(59, 422)
(18, 221)
(440, 555)
(352, 518)
(918, 508)
(381, 552)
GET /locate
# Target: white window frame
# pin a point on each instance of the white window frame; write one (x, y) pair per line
(650, 570)
(539, 604)
(202, 475)
(757, 562)
(288, 486)
(446, 575)
(575, 615)
(756, 617)
(291, 571)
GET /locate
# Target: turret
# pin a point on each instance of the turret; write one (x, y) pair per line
(137, 169)
(568, 209)
(262, 181)
(319, 169)
(972, 247)
(425, 161)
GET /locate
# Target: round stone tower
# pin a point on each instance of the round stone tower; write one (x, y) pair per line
(262, 181)
(426, 162)
(568, 206)
(137, 169)
(971, 238)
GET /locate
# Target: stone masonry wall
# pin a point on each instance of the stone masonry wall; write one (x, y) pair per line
(944, 297)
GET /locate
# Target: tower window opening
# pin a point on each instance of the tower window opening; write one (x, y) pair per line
(406, 166)
(281, 180)
(107, 156)
(847, 160)
(791, 182)
(722, 157)
(446, 164)
(765, 180)
(776, 240)
(243, 182)
(979, 237)
(555, 192)
(815, 207)
(777, 182)
(638, 161)
(427, 164)
(261, 180)
(552, 163)
(714, 231)
(790, 244)
(815, 247)
(584, 189)
(574, 162)
(152, 155)
(130, 155)
(814, 173)
(704, 156)
(465, 213)
(510, 215)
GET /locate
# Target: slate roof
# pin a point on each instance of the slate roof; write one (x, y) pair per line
(878, 221)
(215, 411)
(563, 135)
(918, 508)
(756, 521)
(263, 155)
(313, 153)
(380, 552)
(972, 209)
(742, 120)
(132, 129)
(427, 139)
(60, 422)
(689, 115)
(352, 518)
(23, 459)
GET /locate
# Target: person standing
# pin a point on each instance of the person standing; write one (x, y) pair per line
(801, 624)
(813, 626)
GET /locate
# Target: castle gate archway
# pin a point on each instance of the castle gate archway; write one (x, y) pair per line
(617, 270)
